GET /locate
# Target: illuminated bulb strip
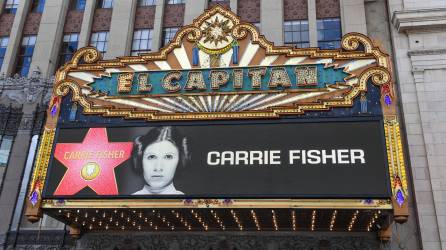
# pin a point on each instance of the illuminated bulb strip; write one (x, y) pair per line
(218, 219)
(199, 219)
(293, 220)
(186, 224)
(237, 220)
(276, 227)
(353, 220)
(313, 220)
(372, 221)
(165, 221)
(333, 219)
(255, 219)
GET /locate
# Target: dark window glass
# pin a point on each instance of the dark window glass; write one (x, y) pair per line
(69, 46)
(168, 35)
(38, 6)
(146, 2)
(175, 1)
(77, 5)
(5, 149)
(142, 41)
(99, 40)
(296, 33)
(329, 33)
(105, 4)
(25, 55)
(3, 45)
(11, 6)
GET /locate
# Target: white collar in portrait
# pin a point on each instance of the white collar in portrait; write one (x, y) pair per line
(168, 190)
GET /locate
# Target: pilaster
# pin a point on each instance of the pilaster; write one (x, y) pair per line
(15, 38)
(2, 5)
(87, 22)
(233, 5)
(353, 17)
(49, 37)
(158, 25)
(193, 9)
(271, 20)
(121, 29)
(312, 23)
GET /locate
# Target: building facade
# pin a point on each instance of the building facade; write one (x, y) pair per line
(37, 37)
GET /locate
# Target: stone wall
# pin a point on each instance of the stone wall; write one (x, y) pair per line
(418, 33)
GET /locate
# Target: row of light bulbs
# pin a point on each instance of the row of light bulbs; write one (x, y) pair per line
(89, 219)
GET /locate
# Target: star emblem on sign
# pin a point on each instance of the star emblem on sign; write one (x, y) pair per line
(91, 163)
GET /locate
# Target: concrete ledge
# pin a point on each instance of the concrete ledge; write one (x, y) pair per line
(419, 19)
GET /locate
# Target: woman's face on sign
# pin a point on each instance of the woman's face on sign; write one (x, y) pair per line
(160, 160)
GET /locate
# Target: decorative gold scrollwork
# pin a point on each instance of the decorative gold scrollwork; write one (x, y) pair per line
(378, 75)
(88, 54)
(351, 41)
(193, 34)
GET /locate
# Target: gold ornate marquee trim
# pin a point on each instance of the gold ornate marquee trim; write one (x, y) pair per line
(369, 63)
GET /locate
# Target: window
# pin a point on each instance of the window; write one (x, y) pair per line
(25, 55)
(329, 33)
(146, 2)
(69, 46)
(11, 6)
(5, 149)
(105, 4)
(38, 6)
(3, 45)
(175, 1)
(296, 33)
(77, 5)
(99, 40)
(142, 41)
(168, 34)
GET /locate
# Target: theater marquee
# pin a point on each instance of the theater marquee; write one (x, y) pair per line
(222, 118)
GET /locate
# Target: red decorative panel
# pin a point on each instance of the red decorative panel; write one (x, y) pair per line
(222, 3)
(6, 21)
(102, 20)
(249, 10)
(173, 15)
(144, 17)
(295, 9)
(73, 21)
(327, 8)
(32, 24)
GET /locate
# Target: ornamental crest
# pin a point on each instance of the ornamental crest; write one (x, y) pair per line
(221, 68)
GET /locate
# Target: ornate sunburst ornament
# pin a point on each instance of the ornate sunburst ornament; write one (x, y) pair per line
(216, 31)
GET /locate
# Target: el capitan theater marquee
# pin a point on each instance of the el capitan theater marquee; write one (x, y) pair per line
(222, 130)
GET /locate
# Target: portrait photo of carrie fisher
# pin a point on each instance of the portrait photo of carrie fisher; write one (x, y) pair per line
(157, 156)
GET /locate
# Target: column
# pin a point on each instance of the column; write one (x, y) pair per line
(15, 38)
(193, 9)
(87, 22)
(13, 175)
(353, 16)
(121, 28)
(233, 5)
(312, 23)
(49, 37)
(158, 25)
(271, 20)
